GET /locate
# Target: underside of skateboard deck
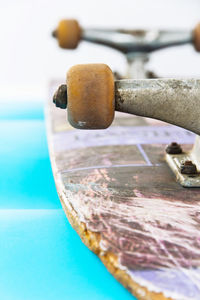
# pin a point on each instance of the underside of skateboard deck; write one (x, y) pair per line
(123, 200)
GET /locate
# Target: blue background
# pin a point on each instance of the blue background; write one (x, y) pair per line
(41, 256)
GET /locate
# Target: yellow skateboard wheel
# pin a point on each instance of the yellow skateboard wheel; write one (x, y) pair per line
(90, 93)
(68, 34)
(197, 37)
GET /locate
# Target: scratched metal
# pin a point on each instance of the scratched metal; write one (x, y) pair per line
(122, 188)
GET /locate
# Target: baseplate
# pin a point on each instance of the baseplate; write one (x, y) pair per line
(175, 162)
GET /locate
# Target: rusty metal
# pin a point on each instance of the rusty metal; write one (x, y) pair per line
(54, 33)
(182, 165)
(188, 168)
(170, 100)
(173, 148)
(117, 75)
(60, 97)
(196, 37)
(151, 75)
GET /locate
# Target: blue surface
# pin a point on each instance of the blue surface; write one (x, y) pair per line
(41, 256)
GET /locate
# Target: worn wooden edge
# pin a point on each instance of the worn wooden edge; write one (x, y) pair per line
(92, 239)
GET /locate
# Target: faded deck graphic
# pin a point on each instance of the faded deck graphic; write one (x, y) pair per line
(120, 186)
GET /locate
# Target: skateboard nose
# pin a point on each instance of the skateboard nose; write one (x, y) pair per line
(60, 97)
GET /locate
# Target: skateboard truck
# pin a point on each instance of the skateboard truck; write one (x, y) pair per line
(92, 96)
(69, 33)
(135, 44)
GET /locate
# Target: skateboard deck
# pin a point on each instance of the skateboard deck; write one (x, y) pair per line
(123, 200)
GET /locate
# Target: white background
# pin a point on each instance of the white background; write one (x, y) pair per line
(30, 57)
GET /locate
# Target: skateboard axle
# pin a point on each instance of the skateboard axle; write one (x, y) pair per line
(173, 101)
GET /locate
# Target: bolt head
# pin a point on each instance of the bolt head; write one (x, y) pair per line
(173, 148)
(60, 97)
(188, 168)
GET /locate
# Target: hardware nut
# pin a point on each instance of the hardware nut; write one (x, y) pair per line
(188, 168)
(173, 148)
(60, 97)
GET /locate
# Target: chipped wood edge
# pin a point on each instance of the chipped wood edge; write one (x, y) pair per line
(109, 259)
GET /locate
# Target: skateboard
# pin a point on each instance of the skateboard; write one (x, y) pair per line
(130, 190)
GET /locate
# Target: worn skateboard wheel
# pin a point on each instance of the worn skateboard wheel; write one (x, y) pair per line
(197, 37)
(90, 93)
(68, 34)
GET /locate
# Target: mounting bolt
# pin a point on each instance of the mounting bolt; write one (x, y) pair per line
(188, 168)
(173, 148)
(60, 97)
